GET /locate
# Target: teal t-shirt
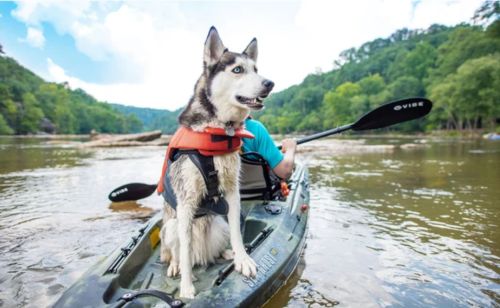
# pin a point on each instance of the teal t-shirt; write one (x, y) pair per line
(262, 143)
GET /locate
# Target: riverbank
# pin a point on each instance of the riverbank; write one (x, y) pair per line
(345, 143)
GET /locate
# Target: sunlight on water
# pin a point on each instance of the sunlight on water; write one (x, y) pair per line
(390, 224)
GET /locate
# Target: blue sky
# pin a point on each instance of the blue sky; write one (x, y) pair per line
(149, 53)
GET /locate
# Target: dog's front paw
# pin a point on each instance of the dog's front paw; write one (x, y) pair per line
(227, 254)
(245, 265)
(187, 290)
(173, 269)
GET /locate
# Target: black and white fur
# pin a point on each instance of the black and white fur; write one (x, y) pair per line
(227, 90)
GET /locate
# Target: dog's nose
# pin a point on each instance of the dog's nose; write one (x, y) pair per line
(268, 84)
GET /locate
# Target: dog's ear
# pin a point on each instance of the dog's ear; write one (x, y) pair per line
(214, 48)
(251, 50)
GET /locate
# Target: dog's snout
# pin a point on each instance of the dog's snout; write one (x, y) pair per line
(268, 84)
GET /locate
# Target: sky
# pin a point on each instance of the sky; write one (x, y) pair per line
(150, 53)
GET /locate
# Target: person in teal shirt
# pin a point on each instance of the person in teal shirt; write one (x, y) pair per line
(280, 162)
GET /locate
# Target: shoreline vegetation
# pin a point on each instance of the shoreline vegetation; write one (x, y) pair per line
(458, 68)
(347, 142)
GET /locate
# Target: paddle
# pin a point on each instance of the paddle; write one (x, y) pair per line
(383, 116)
(132, 191)
(386, 115)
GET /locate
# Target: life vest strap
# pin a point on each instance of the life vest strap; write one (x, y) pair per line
(213, 202)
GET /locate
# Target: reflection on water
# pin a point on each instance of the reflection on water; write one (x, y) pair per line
(399, 222)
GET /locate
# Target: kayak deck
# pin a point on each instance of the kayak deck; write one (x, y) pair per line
(274, 241)
(148, 272)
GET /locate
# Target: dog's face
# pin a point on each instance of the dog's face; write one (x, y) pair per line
(232, 78)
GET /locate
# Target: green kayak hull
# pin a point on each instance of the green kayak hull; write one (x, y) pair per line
(274, 233)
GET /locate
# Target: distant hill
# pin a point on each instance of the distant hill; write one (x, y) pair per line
(152, 119)
(457, 67)
(28, 104)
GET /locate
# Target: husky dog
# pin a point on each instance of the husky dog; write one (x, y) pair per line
(226, 91)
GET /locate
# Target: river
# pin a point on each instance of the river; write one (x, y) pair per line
(401, 222)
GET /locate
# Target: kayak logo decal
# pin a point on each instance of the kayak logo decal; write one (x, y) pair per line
(408, 106)
(264, 265)
(119, 192)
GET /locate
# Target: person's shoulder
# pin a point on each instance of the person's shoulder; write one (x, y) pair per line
(254, 125)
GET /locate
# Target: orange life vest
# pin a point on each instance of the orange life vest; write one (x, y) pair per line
(211, 142)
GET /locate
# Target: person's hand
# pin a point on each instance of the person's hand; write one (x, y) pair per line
(288, 145)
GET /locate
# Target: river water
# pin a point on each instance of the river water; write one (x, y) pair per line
(398, 222)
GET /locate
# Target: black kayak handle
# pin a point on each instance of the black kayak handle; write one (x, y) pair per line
(130, 296)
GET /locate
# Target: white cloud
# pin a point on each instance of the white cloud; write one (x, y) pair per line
(34, 37)
(162, 42)
(151, 94)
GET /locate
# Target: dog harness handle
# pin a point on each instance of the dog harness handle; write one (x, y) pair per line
(167, 298)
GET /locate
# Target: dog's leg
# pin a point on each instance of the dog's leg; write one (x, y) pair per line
(242, 261)
(184, 231)
(165, 252)
(170, 246)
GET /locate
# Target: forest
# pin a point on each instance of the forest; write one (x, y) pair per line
(28, 104)
(457, 67)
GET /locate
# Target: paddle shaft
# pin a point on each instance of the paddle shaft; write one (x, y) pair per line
(326, 133)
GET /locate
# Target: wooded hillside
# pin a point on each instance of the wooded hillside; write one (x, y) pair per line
(28, 104)
(456, 67)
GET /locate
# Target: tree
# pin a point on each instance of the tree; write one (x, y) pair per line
(337, 104)
(405, 86)
(465, 43)
(4, 127)
(471, 95)
(490, 9)
(415, 63)
(30, 115)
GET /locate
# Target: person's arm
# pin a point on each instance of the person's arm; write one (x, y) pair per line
(285, 168)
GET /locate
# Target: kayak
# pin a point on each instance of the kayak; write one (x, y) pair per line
(274, 234)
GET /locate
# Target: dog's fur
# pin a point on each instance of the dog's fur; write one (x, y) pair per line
(227, 90)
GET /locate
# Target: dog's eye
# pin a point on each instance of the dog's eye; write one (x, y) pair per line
(238, 70)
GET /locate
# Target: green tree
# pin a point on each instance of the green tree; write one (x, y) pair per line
(405, 86)
(415, 63)
(30, 115)
(471, 95)
(465, 43)
(337, 105)
(4, 127)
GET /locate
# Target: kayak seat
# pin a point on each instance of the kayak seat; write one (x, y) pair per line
(257, 181)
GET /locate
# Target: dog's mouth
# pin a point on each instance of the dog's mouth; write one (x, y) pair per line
(252, 103)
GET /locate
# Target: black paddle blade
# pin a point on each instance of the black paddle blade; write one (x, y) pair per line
(132, 191)
(395, 112)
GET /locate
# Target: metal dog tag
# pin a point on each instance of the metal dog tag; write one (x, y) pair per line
(230, 131)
